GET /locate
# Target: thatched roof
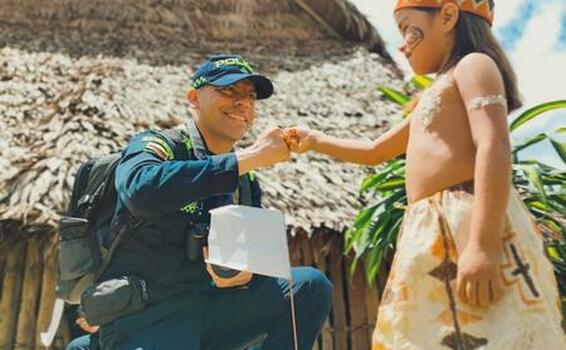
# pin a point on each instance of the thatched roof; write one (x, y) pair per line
(57, 111)
(171, 28)
(59, 108)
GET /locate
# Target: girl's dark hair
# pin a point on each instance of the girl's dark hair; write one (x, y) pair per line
(473, 34)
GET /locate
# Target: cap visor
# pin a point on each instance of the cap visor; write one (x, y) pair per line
(263, 86)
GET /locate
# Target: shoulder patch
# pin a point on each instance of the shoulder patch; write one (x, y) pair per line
(158, 147)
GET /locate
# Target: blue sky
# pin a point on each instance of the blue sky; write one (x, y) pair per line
(533, 34)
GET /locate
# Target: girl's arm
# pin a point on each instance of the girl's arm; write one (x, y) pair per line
(389, 145)
(481, 87)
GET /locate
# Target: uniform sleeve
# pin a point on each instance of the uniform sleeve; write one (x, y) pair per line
(151, 183)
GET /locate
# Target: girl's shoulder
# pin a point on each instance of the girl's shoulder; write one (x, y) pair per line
(476, 64)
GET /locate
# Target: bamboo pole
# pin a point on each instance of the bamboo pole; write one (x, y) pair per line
(372, 303)
(318, 240)
(306, 251)
(11, 289)
(25, 334)
(358, 316)
(294, 250)
(47, 297)
(338, 301)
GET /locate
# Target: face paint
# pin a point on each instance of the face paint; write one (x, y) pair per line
(413, 37)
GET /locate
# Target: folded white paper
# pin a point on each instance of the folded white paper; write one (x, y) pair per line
(249, 239)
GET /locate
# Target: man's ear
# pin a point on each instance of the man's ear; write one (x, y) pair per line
(449, 15)
(192, 97)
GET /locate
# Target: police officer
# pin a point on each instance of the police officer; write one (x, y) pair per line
(169, 185)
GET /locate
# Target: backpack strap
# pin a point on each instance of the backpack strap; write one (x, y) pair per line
(245, 191)
(100, 176)
(182, 147)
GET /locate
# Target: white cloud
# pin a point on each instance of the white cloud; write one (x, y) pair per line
(540, 70)
(506, 11)
(540, 67)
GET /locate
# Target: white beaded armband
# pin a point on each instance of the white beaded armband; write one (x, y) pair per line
(483, 101)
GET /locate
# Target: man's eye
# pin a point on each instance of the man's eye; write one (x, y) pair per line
(227, 91)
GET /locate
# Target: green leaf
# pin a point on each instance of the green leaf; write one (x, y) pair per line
(533, 174)
(536, 204)
(364, 216)
(392, 183)
(531, 141)
(558, 200)
(560, 148)
(355, 232)
(373, 262)
(421, 82)
(552, 225)
(535, 111)
(394, 95)
(553, 253)
(372, 181)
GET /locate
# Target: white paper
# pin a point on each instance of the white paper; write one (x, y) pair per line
(249, 239)
(47, 336)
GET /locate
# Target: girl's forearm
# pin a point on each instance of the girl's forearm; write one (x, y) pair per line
(492, 187)
(389, 145)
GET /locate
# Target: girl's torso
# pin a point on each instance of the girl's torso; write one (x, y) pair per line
(440, 152)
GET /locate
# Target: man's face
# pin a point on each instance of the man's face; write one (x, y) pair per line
(226, 112)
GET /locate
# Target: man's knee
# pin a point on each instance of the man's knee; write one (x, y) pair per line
(82, 343)
(318, 285)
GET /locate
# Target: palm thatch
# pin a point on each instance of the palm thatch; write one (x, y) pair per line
(58, 111)
(169, 31)
(60, 105)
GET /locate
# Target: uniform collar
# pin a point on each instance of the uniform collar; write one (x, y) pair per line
(199, 145)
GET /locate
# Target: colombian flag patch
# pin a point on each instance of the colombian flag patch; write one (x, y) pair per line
(159, 148)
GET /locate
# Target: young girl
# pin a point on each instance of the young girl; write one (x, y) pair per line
(469, 272)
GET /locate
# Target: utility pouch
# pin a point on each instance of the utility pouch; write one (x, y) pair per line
(78, 257)
(195, 243)
(105, 301)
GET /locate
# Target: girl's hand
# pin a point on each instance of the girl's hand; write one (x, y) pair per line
(479, 281)
(299, 139)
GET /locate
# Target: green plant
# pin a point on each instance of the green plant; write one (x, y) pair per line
(543, 189)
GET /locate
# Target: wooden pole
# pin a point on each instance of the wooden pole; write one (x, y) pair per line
(338, 298)
(11, 289)
(25, 335)
(358, 316)
(372, 303)
(294, 250)
(306, 251)
(318, 240)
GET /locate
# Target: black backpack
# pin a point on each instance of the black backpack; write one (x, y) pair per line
(88, 224)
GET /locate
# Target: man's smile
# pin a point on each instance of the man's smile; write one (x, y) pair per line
(238, 117)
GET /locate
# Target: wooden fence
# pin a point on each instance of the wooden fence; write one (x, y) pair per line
(27, 280)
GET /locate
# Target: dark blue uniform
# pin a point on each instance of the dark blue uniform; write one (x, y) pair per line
(172, 195)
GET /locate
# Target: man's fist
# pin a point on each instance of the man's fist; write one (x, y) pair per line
(299, 139)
